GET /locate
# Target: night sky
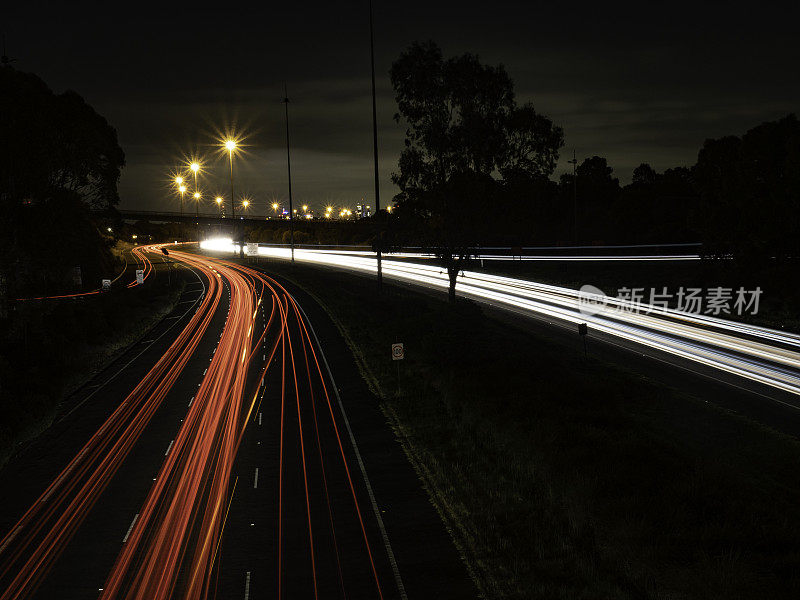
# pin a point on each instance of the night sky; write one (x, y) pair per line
(634, 82)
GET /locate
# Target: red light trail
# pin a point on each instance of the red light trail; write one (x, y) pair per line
(172, 548)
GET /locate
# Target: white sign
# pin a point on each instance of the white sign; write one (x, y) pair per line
(397, 352)
(106, 283)
(252, 249)
(139, 276)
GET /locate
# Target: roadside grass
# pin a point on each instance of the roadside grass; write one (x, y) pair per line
(561, 477)
(50, 348)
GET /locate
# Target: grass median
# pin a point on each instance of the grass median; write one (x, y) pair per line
(561, 477)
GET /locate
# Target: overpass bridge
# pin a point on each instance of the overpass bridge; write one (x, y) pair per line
(185, 217)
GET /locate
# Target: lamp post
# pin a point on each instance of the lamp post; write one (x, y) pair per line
(197, 197)
(375, 142)
(289, 168)
(182, 190)
(230, 146)
(574, 163)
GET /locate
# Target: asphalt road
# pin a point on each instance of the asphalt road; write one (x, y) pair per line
(231, 453)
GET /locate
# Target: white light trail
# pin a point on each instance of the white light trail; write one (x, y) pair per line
(760, 354)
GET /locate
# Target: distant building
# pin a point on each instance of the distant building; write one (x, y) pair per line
(362, 210)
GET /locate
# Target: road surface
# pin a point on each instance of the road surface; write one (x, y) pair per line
(222, 460)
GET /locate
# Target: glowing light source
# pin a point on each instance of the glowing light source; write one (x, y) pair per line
(245, 203)
(179, 180)
(219, 199)
(195, 166)
(305, 207)
(230, 145)
(197, 195)
(182, 189)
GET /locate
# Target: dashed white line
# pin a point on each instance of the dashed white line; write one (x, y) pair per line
(247, 586)
(255, 481)
(169, 447)
(259, 418)
(190, 402)
(125, 539)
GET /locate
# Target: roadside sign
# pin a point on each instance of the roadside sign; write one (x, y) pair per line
(139, 276)
(397, 352)
(106, 284)
(77, 280)
(252, 249)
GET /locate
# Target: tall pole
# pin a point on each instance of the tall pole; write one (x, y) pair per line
(375, 144)
(197, 207)
(574, 163)
(233, 203)
(289, 168)
(183, 191)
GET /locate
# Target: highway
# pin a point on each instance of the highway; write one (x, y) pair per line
(768, 360)
(220, 462)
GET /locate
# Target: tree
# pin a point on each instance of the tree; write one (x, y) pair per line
(57, 157)
(598, 190)
(463, 130)
(644, 175)
(749, 189)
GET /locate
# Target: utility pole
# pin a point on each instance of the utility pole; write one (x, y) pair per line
(574, 163)
(375, 146)
(289, 168)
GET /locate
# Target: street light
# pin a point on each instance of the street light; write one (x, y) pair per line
(305, 207)
(219, 204)
(182, 190)
(230, 145)
(245, 203)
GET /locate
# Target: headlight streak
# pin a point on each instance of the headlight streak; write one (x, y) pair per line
(763, 355)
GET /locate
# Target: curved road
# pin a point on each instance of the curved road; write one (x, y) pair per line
(258, 442)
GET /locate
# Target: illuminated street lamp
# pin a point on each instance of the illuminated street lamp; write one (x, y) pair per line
(230, 146)
(305, 207)
(219, 204)
(275, 207)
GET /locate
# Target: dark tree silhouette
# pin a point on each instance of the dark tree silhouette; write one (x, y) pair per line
(463, 129)
(598, 189)
(644, 175)
(57, 158)
(749, 190)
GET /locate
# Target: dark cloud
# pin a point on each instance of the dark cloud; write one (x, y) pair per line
(630, 81)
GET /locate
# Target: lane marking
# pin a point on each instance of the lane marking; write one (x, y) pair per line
(169, 447)
(259, 418)
(395, 569)
(255, 482)
(125, 539)
(247, 586)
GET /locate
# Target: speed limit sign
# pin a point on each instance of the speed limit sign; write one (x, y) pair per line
(397, 352)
